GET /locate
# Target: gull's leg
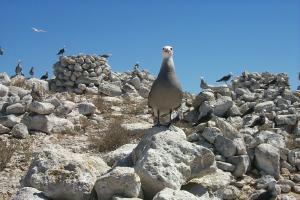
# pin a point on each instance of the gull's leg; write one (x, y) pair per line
(158, 122)
(170, 118)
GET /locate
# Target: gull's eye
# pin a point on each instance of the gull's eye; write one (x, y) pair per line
(163, 48)
(171, 49)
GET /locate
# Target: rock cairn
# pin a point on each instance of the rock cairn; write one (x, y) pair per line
(92, 74)
(76, 73)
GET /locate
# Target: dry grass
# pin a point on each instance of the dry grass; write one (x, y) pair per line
(8, 149)
(6, 152)
(100, 104)
(135, 108)
(18, 82)
(113, 137)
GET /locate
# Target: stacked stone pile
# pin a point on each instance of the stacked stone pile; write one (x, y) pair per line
(270, 149)
(92, 74)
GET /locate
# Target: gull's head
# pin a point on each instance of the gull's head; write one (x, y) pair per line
(167, 51)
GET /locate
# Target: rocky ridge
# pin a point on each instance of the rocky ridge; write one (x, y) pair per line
(212, 152)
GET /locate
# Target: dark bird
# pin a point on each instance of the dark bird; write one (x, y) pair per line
(249, 111)
(19, 69)
(45, 76)
(225, 78)
(106, 55)
(1, 51)
(31, 71)
(61, 52)
(35, 93)
(136, 66)
(205, 118)
(267, 195)
(272, 82)
(261, 120)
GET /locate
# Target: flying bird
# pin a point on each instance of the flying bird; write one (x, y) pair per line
(38, 30)
(31, 71)
(225, 78)
(166, 93)
(45, 76)
(106, 55)
(61, 51)
(1, 51)
(19, 69)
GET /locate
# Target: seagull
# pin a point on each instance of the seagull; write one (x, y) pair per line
(166, 93)
(38, 30)
(1, 51)
(45, 76)
(31, 71)
(225, 78)
(61, 51)
(203, 84)
(106, 55)
(261, 120)
(19, 69)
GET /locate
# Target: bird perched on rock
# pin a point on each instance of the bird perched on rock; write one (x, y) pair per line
(225, 78)
(106, 55)
(35, 93)
(209, 115)
(1, 51)
(166, 93)
(45, 76)
(19, 69)
(261, 120)
(61, 51)
(31, 72)
(272, 82)
(249, 111)
(136, 66)
(203, 84)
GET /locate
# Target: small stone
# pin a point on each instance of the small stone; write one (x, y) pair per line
(20, 131)
(225, 166)
(225, 146)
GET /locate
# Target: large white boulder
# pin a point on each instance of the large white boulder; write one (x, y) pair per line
(61, 174)
(170, 194)
(164, 158)
(39, 84)
(3, 90)
(120, 181)
(267, 158)
(42, 108)
(29, 193)
(48, 124)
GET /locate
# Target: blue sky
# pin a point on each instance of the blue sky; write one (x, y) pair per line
(210, 38)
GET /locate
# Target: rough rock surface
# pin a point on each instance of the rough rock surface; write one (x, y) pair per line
(121, 181)
(64, 175)
(164, 158)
